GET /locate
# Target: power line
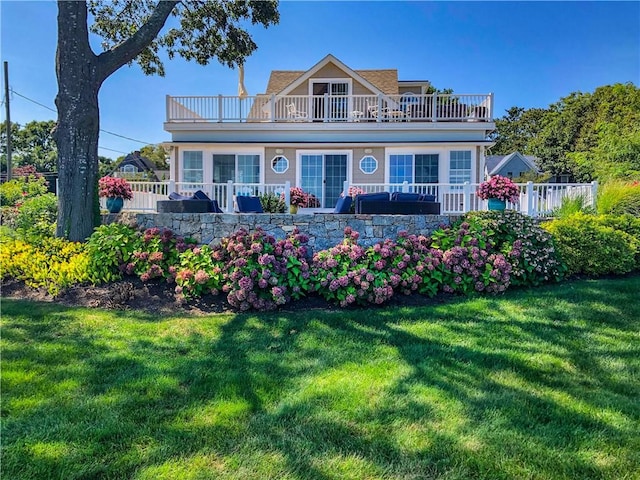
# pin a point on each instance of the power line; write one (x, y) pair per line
(102, 130)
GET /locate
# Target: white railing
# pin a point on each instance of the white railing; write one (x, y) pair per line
(331, 108)
(536, 199)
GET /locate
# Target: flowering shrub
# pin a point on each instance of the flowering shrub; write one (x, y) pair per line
(499, 187)
(342, 275)
(158, 255)
(468, 261)
(256, 269)
(528, 247)
(110, 248)
(300, 198)
(418, 264)
(198, 273)
(114, 187)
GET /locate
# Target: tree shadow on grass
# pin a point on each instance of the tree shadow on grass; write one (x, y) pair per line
(361, 393)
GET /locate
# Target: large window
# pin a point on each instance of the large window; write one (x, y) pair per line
(460, 166)
(418, 168)
(192, 167)
(237, 168)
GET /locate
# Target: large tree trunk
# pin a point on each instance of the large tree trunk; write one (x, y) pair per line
(80, 75)
(78, 124)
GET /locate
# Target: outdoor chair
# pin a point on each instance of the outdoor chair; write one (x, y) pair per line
(295, 114)
(248, 204)
(343, 205)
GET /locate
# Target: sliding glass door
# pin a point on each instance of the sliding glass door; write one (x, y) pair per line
(323, 176)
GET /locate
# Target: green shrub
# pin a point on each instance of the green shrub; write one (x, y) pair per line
(572, 204)
(54, 263)
(37, 216)
(14, 192)
(626, 223)
(198, 273)
(589, 247)
(529, 248)
(619, 198)
(109, 249)
(272, 203)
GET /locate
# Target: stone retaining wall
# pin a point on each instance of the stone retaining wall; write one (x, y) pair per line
(324, 230)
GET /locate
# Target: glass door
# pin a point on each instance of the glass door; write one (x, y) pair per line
(323, 176)
(339, 106)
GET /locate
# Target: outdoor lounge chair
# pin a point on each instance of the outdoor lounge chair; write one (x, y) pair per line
(295, 114)
(248, 204)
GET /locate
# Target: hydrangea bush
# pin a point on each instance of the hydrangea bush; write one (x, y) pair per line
(499, 187)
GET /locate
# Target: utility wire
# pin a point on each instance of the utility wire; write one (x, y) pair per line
(102, 130)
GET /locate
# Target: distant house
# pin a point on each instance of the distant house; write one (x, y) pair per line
(512, 166)
(136, 167)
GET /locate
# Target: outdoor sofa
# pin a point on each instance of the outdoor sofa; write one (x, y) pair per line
(199, 202)
(397, 203)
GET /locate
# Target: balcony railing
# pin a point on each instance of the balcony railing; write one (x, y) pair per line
(332, 108)
(536, 199)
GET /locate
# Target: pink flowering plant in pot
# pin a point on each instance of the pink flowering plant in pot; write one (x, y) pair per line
(300, 198)
(112, 187)
(501, 188)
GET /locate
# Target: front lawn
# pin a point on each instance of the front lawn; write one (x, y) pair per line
(540, 384)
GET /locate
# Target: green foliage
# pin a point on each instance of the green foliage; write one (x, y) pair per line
(588, 135)
(110, 248)
(528, 247)
(14, 192)
(37, 217)
(53, 263)
(618, 198)
(32, 144)
(588, 246)
(198, 273)
(158, 254)
(570, 205)
(272, 203)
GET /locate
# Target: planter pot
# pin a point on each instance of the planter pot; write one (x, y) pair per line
(114, 204)
(496, 204)
(293, 209)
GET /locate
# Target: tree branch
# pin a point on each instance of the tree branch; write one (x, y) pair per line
(112, 60)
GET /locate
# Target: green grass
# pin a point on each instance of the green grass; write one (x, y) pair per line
(538, 384)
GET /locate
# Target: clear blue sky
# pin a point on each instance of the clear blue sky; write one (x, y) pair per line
(530, 54)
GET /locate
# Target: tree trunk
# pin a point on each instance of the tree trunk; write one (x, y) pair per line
(78, 125)
(80, 75)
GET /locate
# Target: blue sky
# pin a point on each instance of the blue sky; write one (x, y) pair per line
(529, 54)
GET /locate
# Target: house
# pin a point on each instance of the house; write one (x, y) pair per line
(513, 165)
(327, 125)
(136, 167)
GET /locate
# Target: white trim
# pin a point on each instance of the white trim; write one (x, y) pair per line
(280, 155)
(376, 160)
(318, 66)
(417, 150)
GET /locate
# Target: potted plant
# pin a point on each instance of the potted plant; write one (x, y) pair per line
(298, 198)
(116, 191)
(498, 191)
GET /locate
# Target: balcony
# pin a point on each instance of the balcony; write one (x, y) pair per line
(330, 108)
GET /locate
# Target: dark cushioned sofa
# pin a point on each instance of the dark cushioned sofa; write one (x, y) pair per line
(199, 202)
(397, 203)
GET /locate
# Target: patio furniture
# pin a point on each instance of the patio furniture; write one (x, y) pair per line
(295, 114)
(398, 203)
(343, 205)
(199, 202)
(248, 204)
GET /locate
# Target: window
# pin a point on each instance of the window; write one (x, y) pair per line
(280, 164)
(368, 164)
(237, 168)
(419, 168)
(460, 166)
(510, 174)
(192, 167)
(427, 168)
(400, 168)
(128, 168)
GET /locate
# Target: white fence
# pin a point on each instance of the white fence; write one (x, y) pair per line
(536, 199)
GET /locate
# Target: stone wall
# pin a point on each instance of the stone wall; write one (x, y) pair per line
(324, 230)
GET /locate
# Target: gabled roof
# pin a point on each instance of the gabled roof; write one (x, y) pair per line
(495, 163)
(378, 81)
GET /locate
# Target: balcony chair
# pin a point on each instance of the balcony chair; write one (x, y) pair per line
(373, 111)
(248, 204)
(295, 114)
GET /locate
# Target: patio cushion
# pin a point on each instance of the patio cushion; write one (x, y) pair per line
(343, 205)
(405, 197)
(247, 204)
(427, 198)
(177, 196)
(370, 197)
